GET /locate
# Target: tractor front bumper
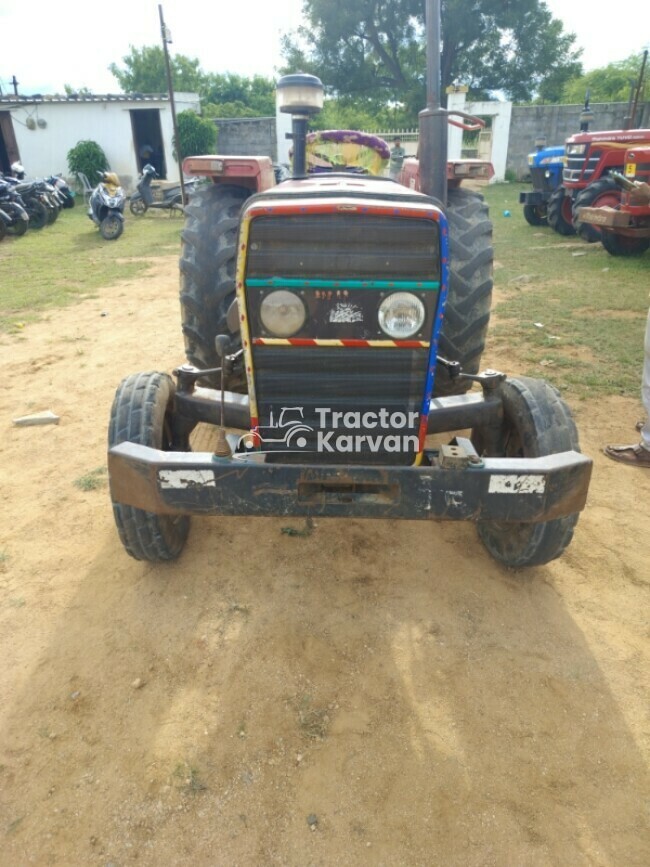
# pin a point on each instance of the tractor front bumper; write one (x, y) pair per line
(535, 198)
(457, 486)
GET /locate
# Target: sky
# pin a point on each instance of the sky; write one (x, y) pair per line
(54, 44)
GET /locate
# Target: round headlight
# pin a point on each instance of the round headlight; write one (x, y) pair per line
(282, 313)
(401, 315)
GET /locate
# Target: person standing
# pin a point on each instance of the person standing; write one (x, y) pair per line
(638, 454)
(397, 155)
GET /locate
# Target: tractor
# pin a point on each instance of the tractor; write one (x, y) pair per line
(591, 160)
(625, 229)
(546, 175)
(333, 322)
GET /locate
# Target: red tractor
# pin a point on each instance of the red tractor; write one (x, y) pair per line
(625, 228)
(330, 314)
(592, 158)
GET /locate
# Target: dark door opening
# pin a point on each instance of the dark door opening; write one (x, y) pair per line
(147, 139)
(8, 147)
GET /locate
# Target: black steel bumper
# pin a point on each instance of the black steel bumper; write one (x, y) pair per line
(494, 489)
(536, 197)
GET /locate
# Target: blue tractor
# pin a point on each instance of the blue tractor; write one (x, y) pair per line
(546, 175)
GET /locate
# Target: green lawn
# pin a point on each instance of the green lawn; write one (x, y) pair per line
(592, 306)
(69, 260)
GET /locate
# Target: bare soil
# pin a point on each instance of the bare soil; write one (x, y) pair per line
(376, 693)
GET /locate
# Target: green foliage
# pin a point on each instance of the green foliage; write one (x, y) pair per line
(238, 93)
(196, 134)
(144, 71)
(611, 83)
(374, 49)
(89, 158)
(228, 94)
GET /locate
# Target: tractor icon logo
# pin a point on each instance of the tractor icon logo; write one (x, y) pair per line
(289, 430)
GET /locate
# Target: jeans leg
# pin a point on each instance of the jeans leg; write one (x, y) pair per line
(645, 387)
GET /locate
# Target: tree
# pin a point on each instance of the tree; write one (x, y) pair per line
(196, 135)
(611, 83)
(375, 48)
(144, 71)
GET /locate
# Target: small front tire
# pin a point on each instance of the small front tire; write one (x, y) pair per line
(141, 414)
(535, 215)
(111, 227)
(138, 207)
(537, 422)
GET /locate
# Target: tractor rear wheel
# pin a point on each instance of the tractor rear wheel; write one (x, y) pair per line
(623, 245)
(535, 215)
(603, 192)
(560, 215)
(467, 313)
(536, 422)
(141, 414)
(207, 265)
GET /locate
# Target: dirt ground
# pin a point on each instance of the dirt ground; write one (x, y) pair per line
(377, 693)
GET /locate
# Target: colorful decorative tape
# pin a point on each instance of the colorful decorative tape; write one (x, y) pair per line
(357, 344)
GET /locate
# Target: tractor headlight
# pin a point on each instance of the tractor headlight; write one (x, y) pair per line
(576, 149)
(283, 313)
(401, 315)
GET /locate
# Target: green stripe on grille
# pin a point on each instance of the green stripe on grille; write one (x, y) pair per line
(297, 283)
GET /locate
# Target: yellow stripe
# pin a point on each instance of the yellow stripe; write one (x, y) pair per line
(279, 341)
(242, 254)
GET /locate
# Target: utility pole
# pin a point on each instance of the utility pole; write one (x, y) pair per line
(15, 85)
(166, 39)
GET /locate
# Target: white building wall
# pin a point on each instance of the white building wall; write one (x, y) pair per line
(501, 113)
(43, 151)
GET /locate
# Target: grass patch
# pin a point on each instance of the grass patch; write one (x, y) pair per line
(592, 307)
(67, 261)
(92, 480)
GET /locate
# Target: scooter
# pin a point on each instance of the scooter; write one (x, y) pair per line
(106, 206)
(164, 196)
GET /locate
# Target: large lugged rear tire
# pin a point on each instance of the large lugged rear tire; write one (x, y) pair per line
(603, 192)
(141, 414)
(559, 212)
(537, 422)
(467, 313)
(208, 261)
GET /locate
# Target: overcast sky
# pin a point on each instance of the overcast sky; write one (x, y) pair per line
(46, 45)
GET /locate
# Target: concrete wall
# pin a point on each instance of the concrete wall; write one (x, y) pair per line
(557, 123)
(247, 136)
(43, 151)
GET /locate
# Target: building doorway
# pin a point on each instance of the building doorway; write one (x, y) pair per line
(147, 139)
(8, 147)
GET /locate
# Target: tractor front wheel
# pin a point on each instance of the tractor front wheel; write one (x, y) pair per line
(141, 414)
(535, 215)
(604, 192)
(623, 245)
(537, 422)
(560, 214)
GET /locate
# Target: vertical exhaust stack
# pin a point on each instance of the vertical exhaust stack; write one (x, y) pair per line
(433, 119)
(301, 96)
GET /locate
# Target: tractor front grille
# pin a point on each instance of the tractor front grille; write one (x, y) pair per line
(370, 384)
(341, 264)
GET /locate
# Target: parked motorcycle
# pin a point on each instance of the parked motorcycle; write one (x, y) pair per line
(41, 208)
(106, 206)
(63, 190)
(164, 196)
(13, 207)
(4, 220)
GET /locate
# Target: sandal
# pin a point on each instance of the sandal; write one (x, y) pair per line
(634, 456)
